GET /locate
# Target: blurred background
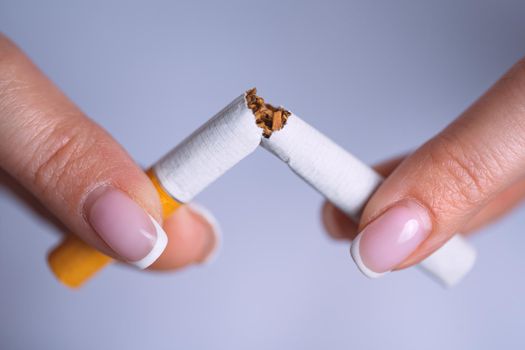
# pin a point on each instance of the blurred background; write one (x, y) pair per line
(379, 77)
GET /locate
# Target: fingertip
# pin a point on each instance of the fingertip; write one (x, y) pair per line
(337, 224)
(193, 238)
(207, 219)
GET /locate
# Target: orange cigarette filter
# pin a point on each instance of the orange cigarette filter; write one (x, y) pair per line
(74, 262)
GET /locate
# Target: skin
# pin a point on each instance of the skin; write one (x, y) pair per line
(60, 155)
(467, 176)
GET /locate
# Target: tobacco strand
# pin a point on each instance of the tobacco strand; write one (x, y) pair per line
(267, 117)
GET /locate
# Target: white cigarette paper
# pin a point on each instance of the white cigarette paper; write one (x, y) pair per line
(232, 134)
(209, 152)
(342, 178)
(451, 262)
(348, 183)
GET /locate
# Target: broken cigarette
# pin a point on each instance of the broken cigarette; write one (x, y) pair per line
(179, 176)
(348, 183)
(226, 139)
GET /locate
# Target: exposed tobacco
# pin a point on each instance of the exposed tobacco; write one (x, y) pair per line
(267, 117)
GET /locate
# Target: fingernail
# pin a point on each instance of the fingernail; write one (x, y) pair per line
(213, 236)
(391, 238)
(126, 228)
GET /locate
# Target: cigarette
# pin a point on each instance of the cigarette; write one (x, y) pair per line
(209, 152)
(348, 183)
(230, 136)
(178, 177)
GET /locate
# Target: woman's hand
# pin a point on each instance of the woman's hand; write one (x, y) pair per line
(468, 175)
(82, 176)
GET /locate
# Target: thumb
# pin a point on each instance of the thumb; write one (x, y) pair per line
(442, 185)
(75, 169)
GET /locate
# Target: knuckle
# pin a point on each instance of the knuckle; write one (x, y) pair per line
(62, 159)
(468, 177)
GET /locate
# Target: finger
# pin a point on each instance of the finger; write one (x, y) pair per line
(434, 192)
(193, 232)
(341, 227)
(496, 208)
(73, 167)
(337, 224)
(20, 193)
(194, 238)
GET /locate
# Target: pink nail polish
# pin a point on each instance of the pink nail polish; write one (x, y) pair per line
(391, 238)
(126, 228)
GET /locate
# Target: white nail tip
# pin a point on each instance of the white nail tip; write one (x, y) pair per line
(452, 262)
(206, 214)
(156, 251)
(356, 255)
(448, 265)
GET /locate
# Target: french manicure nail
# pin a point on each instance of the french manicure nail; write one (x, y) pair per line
(391, 238)
(125, 227)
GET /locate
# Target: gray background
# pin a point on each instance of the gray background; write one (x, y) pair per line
(380, 77)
